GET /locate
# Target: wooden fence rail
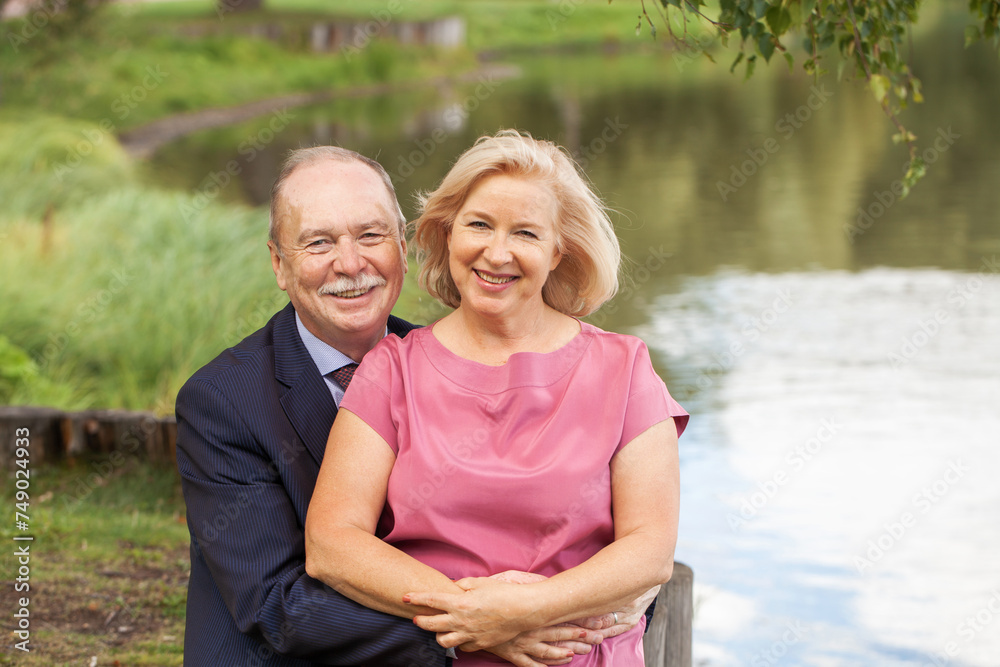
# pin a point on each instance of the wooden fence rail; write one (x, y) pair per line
(54, 435)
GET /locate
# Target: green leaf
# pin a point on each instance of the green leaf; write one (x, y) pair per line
(778, 19)
(739, 57)
(751, 63)
(790, 60)
(760, 7)
(880, 85)
(766, 46)
(795, 13)
(914, 172)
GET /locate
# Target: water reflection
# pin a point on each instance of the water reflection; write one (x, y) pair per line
(774, 274)
(841, 478)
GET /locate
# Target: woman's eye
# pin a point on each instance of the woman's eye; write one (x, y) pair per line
(479, 224)
(527, 234)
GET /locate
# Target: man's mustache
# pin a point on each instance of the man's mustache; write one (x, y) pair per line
(345, 284)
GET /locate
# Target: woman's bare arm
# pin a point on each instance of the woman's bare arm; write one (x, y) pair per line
(341, 547)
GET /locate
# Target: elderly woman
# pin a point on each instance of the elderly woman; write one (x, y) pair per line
(508, 435)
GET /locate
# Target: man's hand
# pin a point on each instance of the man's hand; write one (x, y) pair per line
(622, 620)
(554, 645)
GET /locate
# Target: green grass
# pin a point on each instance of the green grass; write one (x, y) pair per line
(126, 70)
(491, 24)
(135, 63)
(109, 565)
(103, 280)
(118, 291)
(138, 62)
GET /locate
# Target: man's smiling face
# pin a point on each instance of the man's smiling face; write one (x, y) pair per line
(342, 259)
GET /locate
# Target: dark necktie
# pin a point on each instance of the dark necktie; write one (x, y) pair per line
(343, 375)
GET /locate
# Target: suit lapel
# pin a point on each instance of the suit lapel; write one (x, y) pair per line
(307, 402)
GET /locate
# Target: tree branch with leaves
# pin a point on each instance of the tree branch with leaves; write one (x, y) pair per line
(869, 37)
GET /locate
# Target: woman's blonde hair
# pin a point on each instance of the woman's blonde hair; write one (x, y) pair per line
(587, 275)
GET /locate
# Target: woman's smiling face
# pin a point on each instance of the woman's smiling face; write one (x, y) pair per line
(503, 245)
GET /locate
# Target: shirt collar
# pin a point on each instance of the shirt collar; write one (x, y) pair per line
(326, 357)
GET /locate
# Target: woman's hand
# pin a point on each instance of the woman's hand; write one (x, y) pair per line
(488, 613)
(546, 644)
(555, 645)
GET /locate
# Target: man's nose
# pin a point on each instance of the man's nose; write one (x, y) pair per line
(349, 260)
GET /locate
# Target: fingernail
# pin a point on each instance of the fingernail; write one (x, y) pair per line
(406, 599)
(583, 633)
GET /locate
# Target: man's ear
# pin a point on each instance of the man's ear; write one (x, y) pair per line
(277, 265)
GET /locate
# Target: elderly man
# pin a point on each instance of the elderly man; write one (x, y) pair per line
(253, 425)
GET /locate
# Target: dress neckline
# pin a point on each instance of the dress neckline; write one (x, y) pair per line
(522, 368)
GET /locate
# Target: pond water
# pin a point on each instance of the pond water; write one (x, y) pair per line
(837, 347)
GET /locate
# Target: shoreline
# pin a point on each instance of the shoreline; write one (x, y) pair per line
(143, 141)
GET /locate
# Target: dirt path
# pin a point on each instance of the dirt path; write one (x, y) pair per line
(143, 141)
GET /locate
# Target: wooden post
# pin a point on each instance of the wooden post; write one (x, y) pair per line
(39, 425)
(168, 431)
(667, 643)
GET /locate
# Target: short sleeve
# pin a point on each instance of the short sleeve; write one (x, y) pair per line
(649, 402)
(370, 393)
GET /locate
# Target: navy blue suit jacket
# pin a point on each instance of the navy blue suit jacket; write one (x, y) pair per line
(252, 426)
